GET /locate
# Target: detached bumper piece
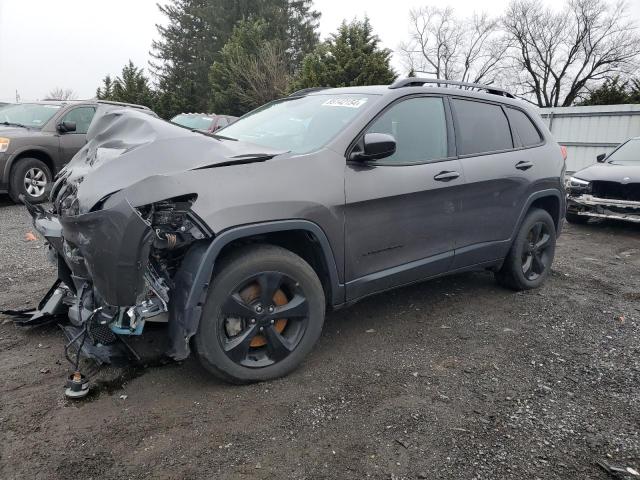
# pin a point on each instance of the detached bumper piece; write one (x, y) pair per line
(104, 288)
(591, 206)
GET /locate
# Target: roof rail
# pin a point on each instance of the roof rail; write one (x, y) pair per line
(304, 91)
(123, 104)
(419, 82)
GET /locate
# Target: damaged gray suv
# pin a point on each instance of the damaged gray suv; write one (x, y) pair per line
(242, 239)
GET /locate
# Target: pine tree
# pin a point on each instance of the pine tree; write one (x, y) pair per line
(196, 32)
(106, 91)
(350, 57)
(612, 92)
(132, 86)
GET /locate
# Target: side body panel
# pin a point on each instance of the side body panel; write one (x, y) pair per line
(397, 215)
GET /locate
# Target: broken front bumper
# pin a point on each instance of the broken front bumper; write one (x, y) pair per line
(115, 268)
(591, 206)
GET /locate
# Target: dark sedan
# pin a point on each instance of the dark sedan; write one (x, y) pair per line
(609, 188)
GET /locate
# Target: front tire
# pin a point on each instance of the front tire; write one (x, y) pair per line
(528, 263)
(263, 314)
(32, 178)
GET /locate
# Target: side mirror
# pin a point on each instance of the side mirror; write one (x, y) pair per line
(375, 146)
(66, 127)
(600, 158)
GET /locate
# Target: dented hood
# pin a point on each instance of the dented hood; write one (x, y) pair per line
(125, 146)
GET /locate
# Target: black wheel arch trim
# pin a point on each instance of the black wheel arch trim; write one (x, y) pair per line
(550, 192)
(195, 274)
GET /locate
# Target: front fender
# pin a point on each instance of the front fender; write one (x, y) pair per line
(195, 273)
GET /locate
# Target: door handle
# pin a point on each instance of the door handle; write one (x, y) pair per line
(446, 176)
(524, 165)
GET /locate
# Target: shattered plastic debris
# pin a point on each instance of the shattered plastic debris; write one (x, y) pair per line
(29, 237)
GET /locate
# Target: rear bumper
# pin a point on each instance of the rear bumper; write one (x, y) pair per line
(590, 206)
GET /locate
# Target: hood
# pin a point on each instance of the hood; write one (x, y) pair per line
(126, 146)
(10, 131)
(610, 172)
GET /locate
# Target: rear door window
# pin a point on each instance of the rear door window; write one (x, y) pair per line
(481, 127)
(523, 128)
(420, 128)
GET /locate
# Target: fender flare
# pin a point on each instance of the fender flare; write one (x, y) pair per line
(194, 276)
(550, 192)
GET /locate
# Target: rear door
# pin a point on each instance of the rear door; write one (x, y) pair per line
(498, 174)
(399, 210)
(71, 142)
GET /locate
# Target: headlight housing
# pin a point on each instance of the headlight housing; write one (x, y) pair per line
(173, 222)
(4, 144)
(577, 184)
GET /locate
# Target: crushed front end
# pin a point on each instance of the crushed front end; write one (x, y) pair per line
(118, 266)
(604, 199)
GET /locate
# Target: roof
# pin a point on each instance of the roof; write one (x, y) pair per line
(413, 85)
(78, 102)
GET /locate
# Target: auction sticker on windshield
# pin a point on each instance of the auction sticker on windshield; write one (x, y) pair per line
(349, 102)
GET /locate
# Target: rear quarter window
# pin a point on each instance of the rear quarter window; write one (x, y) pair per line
(481, 127)
(523, 128)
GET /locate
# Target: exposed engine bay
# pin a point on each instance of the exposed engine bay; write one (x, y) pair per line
(105, 299)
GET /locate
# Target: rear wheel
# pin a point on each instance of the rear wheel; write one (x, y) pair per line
(528, 263)
(32, 178)
(576, 219)
(263, 314)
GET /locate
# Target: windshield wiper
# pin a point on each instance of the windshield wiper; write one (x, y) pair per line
(215, 135)
(13, 124)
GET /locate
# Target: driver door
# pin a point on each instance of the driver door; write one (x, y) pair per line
(71, 142)
(399, 210)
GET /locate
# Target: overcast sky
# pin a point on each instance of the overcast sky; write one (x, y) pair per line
(74, 43)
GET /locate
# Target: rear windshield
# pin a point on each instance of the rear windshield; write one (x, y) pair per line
(297, 124)
(198, 122)
(32, 115)
(628, 153)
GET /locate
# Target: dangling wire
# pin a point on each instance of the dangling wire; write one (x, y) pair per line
(84, 334)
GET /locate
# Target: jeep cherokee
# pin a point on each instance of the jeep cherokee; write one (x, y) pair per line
(243, 238)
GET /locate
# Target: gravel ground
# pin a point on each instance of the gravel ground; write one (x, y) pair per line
(450, 379)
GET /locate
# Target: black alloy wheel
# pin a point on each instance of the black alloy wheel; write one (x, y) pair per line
(263, 314)
(528, 263)
(536, 254)
(263, 319)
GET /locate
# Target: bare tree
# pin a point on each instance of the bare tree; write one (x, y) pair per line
(556, 56)
(61, 94)
(451, 48)
(263, 77)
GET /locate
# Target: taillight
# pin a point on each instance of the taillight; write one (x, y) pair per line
(563, 151)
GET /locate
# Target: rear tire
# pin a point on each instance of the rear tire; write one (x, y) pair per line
(32, 178)
(576, 219)
(245, 336)
(528, 263)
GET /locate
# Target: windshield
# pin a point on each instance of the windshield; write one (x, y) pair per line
(628, 152)
(198, 122)
(31, 115)
(298, 125)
